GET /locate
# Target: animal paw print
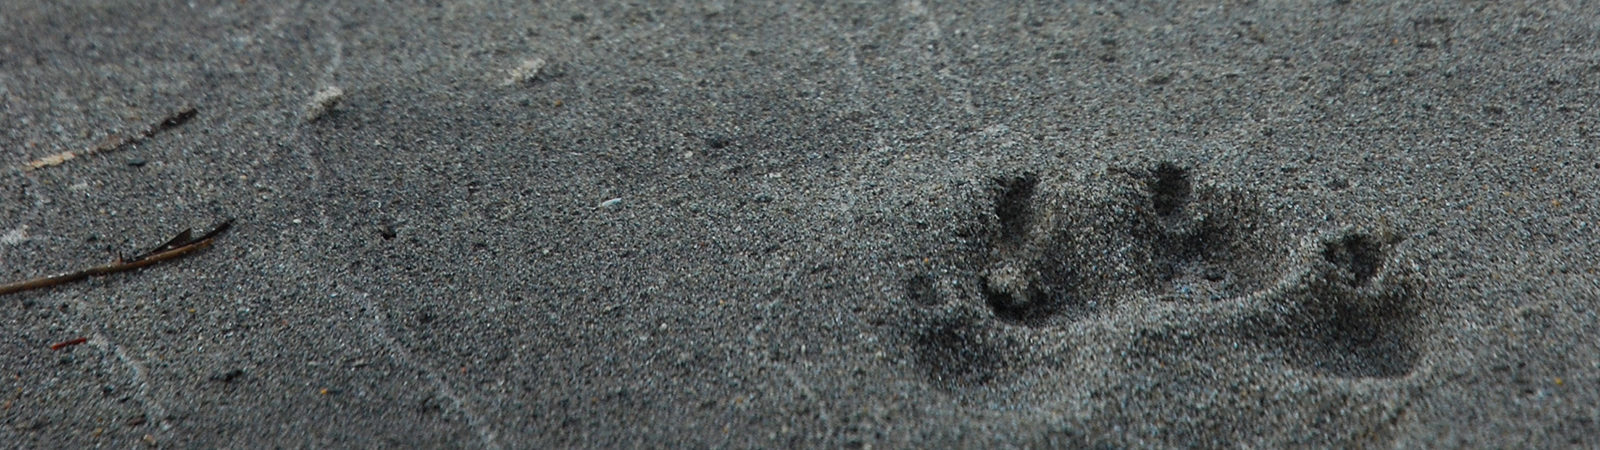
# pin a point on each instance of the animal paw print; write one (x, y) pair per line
(1063, 250)
(1074, 249)
(1349, 313)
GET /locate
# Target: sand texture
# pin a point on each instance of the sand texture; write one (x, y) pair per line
(915, 224)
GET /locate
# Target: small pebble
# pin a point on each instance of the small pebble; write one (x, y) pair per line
(137, 162)
(321, 103)
(525, 72)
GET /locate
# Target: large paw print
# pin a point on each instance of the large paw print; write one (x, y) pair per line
(1062, 253)
(1063, 250)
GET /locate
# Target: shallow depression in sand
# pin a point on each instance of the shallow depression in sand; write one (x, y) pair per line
(1060, 251)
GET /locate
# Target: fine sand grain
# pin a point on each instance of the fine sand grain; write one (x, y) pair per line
(831, 224)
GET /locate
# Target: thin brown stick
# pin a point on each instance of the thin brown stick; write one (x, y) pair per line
(174, 248)
(117, 143)
(68, 343)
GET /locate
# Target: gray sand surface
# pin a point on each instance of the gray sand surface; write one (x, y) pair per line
(832, 224)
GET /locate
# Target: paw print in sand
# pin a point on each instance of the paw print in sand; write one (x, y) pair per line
(1064, 250)
(1061, 254)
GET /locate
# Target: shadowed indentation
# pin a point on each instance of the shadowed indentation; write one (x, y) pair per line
(956, 353)
(1200, 249)
(1356, 256)
(1169, 187)
(1349, 337)
(1157, 233)
(921, 290)
(1014, 208)
(1026, 308)
(1197, 241)
(1351, 319)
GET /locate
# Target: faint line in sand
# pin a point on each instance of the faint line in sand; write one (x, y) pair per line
(333, 41)
(376, 327)
(154, 410)
(794, 379)
(935, 33)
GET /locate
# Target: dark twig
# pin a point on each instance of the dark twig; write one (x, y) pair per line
(118, 143)
(177, 247)
(68, 343)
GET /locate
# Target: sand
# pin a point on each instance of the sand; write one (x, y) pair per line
(890, 225)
